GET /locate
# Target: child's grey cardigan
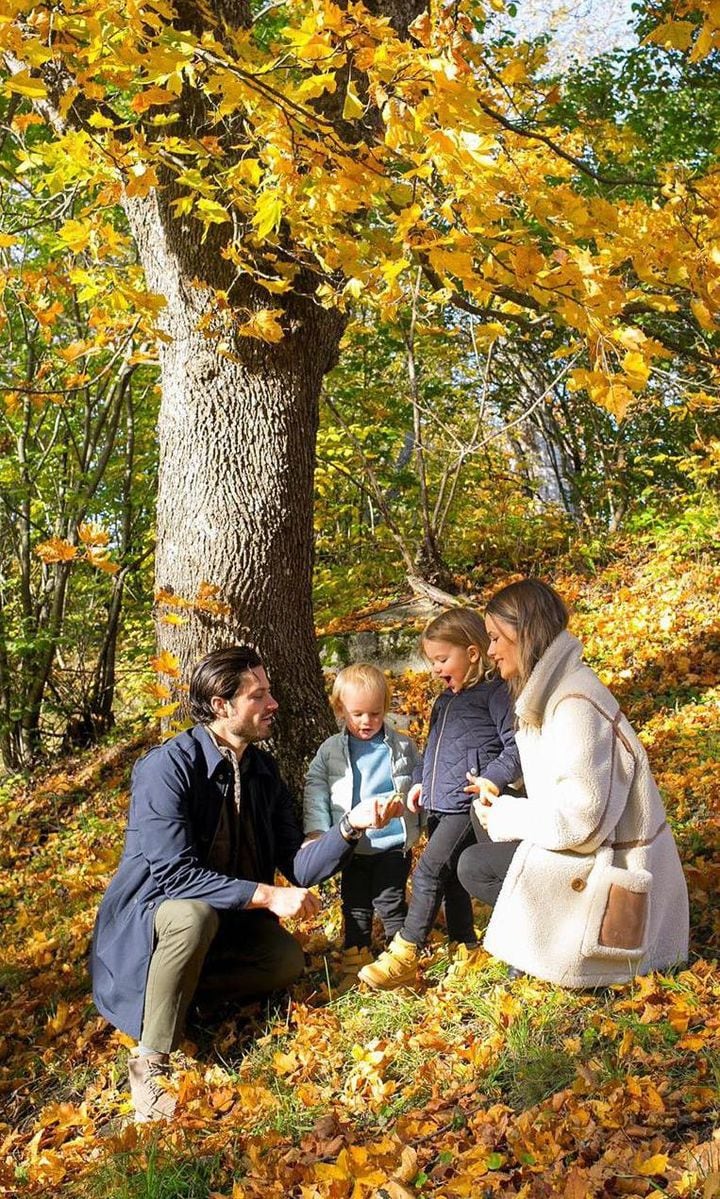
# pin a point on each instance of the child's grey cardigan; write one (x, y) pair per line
(329, 782)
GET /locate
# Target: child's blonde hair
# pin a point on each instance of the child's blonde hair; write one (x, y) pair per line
(361, 674)
(463, 627)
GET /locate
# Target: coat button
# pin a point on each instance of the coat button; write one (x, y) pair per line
(578, 884)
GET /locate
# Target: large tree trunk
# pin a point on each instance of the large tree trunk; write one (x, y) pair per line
(237, 430)
(235, 491)
(238, 420)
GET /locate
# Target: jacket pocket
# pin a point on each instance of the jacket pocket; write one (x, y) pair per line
(619, 916)
(599, 909)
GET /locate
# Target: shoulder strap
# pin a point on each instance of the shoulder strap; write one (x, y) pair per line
(618, 735)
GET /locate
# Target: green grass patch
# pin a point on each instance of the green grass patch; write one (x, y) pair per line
(151, 1173)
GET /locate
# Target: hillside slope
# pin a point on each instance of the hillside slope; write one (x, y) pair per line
(475, 1086)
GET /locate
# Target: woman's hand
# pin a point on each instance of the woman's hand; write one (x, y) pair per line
(481, 811)
(414, 799)
(482, 788)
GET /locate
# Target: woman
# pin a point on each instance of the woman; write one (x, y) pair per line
(583, 874)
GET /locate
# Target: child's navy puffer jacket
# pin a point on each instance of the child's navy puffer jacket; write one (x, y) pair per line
(472, 729)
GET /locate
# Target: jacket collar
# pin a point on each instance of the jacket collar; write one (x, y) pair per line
(561, 656)
(252, 759)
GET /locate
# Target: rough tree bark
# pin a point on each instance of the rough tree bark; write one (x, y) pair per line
(237, 452)
(235, 487)
(236, 431)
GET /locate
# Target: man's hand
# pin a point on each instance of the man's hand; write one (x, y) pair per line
(375, 812)
(414, 799)
(482, 788)
(285, 902)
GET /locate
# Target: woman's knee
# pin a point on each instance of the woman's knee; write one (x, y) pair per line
(470, 870)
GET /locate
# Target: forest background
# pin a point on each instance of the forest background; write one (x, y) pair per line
(308, 311)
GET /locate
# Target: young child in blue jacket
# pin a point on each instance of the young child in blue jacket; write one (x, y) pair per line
(471, 732)
(367, 759)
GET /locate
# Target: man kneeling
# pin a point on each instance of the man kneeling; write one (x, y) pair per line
(192, 908)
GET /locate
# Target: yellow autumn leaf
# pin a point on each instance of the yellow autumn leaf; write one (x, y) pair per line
(56, 1023)
(92, 534)
(673, 35)
(165, 710)
(247, 170)
(98, 120)
(488, 333)
(353, 108)
(637, 369)
(141, 180)
(173, 619)
(70, 353)
(311, 44)
(263, 325)
(704, 316)
(75, 235)
(25, 84)
(657, 1164)
(152, 95)
(317, 85)
(268, 212)
(49, 1169)
(100, 560)
(163, 596)
(515, 72)
(210, 212)
(166, 663)
(704, 43)
(617, 398)
(55, 549)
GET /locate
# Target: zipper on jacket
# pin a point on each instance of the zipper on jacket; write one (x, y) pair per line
(437, 750)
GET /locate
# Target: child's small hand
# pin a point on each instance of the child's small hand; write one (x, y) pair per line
(483, 789)
(414, 799)
(388, 809)
(375, 811)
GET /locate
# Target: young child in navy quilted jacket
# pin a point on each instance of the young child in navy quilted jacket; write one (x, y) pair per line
(367, 759)
(471, 733)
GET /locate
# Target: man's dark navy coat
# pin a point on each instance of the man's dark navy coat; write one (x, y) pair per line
(178, 791)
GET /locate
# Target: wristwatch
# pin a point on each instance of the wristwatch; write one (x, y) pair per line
(348, 831)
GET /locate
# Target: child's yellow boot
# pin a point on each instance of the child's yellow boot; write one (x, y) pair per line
(396, 967)
(350, 963)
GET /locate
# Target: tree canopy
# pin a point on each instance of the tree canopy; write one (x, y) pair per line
(233, 183)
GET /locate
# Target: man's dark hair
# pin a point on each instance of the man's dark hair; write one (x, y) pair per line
(219, 673)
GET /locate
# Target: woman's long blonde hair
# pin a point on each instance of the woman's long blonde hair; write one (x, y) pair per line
(537, 614)
(463, 627)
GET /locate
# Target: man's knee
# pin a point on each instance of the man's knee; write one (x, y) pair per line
(191, 921)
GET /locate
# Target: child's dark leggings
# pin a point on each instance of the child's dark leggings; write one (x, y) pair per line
(435, 878)
(373, 880)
